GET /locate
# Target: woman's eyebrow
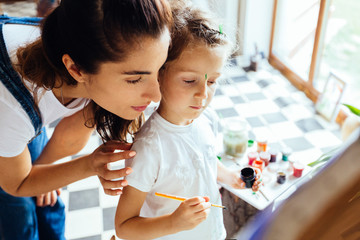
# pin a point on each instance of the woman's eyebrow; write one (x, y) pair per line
(136, 72)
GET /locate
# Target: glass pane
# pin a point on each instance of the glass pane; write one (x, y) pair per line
(341, 53)
(295, 28)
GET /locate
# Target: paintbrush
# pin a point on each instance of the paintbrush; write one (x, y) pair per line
(182, 199)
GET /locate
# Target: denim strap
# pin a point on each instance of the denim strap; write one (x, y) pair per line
(11, 79)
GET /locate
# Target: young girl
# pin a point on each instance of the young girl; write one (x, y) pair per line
(175, 147)
(106, 52)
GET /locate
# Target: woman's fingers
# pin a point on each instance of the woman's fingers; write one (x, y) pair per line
(114, 174)
(108, 184)
(111, 180)
(108, 157)
(113, 157)
(53, 198)
(40, 200)
(58, 191)
(113, 188)
(47, 199)
(111, 146)
(113, 192)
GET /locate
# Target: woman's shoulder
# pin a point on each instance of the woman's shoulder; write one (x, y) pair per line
(15, 129)
(16, 35)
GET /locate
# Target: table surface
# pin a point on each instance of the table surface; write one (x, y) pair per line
(271, 190)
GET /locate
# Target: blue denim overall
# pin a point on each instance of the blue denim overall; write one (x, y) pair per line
(20, 218)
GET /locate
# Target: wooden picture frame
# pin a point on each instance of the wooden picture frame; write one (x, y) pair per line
(328, 104)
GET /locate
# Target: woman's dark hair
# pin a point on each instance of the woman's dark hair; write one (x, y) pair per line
(92, 32)
(192, 26)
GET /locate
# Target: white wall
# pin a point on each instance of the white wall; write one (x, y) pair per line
(226, 11)
(253, 26)
(257, 25)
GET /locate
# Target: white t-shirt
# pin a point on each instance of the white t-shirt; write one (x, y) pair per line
(16, 128)
(178, 160)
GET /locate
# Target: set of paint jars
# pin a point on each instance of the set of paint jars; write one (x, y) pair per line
(259, 160)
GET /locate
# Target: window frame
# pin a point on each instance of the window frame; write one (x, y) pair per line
(305, 85)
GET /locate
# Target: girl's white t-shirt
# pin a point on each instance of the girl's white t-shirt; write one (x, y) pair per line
(16, 128)
(182, 161)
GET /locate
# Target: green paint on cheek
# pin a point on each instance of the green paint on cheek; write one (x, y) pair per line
(205, 76)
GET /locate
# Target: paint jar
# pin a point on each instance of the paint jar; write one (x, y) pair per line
(235, 138)
(258, 164)
(261, 143)
(298, 169)
(265, 157)
(252, 156)
(248, 175)
(281, 177)
(273, 154)
(286, 153)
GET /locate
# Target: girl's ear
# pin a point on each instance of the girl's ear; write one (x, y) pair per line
(73, 70)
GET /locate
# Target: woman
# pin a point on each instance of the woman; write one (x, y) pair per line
(95, 64)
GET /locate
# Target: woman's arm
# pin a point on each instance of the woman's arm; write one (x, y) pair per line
(129, 225)
(19, 177)
(69, 137)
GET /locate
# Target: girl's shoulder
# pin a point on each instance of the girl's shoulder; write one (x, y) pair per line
(147, 132)
(210, 114)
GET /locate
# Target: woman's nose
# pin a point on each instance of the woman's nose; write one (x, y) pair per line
(153, 91)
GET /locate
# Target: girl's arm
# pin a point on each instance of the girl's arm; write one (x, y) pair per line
(129, 225)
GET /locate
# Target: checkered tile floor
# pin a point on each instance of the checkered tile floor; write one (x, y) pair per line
(268, 102)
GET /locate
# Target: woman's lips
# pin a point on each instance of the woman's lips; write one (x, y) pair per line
(139, 108)
(196, 107)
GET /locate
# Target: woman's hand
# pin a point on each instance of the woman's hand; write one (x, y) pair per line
(99, 164)
(191, 213)
(48, 199)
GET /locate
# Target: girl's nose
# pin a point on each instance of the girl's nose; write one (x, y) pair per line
(202, 91)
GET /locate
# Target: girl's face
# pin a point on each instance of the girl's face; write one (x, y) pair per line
(127, 88)
(188, 83)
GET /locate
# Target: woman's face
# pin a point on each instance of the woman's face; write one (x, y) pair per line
(128, 87)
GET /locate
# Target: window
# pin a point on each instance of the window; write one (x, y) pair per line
(312, 38)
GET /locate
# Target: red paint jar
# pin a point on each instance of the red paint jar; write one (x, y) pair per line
(298, 169)
(252, 156)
